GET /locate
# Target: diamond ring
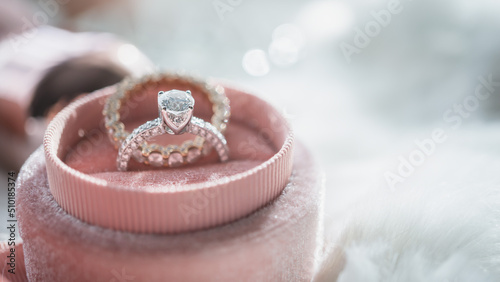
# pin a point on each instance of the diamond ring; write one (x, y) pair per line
(132, 93)
(175, 110)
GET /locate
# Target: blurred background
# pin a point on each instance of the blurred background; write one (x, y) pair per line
(359, 80)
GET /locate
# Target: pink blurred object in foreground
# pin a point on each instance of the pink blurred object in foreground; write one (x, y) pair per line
(28, 58)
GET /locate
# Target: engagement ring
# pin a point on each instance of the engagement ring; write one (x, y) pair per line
(133, 92)
(175, 110)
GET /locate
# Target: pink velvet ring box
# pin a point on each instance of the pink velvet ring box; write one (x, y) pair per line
(264, 219)
(84, 181)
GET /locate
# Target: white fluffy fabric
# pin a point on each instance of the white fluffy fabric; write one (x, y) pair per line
(441, 224)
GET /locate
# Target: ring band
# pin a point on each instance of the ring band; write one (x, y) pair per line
(175, 110)
(190, 150)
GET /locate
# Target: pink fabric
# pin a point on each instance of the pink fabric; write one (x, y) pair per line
(84, 181)
(275, 243)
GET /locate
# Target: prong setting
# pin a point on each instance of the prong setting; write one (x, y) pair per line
(176, 108)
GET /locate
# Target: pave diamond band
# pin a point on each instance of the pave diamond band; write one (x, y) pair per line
(189, 151)
(175, 109)
(154, 128)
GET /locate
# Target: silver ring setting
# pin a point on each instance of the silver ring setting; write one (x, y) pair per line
(175, 116)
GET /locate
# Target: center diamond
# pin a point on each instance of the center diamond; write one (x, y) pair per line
(176, 107)
(176, 101)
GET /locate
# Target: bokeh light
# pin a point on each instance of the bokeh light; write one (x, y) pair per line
(255, 62)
